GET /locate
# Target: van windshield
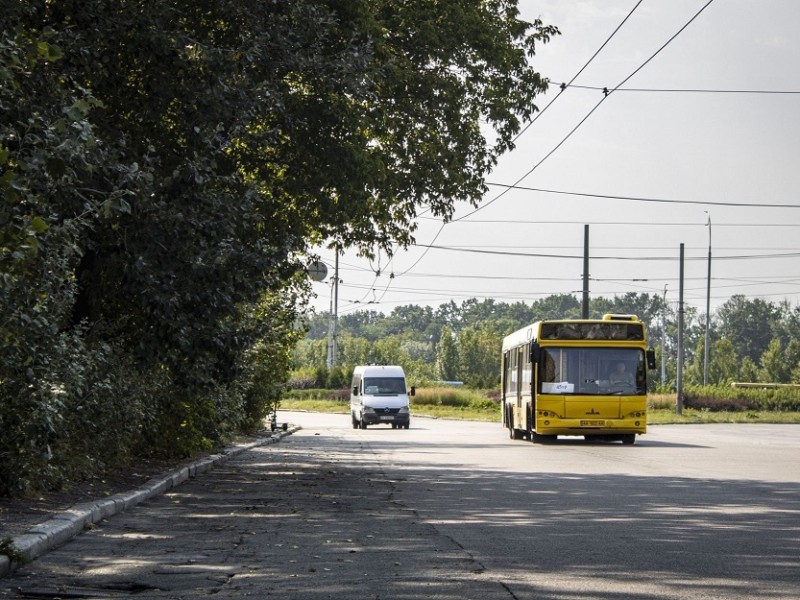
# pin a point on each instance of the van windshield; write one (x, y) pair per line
(384, 386)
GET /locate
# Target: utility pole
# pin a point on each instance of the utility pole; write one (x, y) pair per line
(664, 340)
(334, 315)
(708, 305)
(585, 302)
(679, 379)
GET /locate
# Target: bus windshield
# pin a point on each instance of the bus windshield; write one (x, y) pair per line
(592, 371)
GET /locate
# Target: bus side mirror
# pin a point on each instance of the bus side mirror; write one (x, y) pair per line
(412, 391)
(651, 358)
(355, 390)
(536, 352)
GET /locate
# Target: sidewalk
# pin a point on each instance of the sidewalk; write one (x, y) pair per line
(68, 524)
(314, 517)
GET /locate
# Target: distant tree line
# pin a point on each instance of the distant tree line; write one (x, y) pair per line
(751, 340)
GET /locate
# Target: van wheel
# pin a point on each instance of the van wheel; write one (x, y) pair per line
(354, 420)
(362, 424)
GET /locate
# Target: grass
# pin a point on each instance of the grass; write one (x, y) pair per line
(691, 415)
(438, 412)
(471, 405)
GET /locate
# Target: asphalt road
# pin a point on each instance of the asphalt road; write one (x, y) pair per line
(453, 510)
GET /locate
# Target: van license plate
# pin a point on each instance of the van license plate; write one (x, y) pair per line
(387, 418)
(592, 423)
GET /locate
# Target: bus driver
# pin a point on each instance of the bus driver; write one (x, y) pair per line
(620, 375)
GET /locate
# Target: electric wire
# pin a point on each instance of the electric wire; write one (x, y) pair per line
(564, 86)
(606, 94)
(623, 258)
(684, 90)
(516, 186)
(539, 114)
(792, 281)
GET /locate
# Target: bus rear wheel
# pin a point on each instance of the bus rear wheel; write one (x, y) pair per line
(629, 439)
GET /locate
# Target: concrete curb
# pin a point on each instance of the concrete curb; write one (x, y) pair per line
(65, 526)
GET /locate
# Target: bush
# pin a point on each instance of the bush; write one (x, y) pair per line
(340, 395)
(303, 379)
(456, 397)
(720, 398)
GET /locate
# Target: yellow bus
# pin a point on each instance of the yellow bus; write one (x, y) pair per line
(577, 378)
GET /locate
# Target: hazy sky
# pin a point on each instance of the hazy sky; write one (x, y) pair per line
(709, 126)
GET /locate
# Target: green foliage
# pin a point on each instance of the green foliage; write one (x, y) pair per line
(747, 323)
(466, 338)
(479, 352)
(447, 356)
(447, 402)
(341, 395)
(162, 180)
(450, 396)
(720, 398)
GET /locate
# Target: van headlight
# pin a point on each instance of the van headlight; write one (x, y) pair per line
(369, 409)
(403, 410)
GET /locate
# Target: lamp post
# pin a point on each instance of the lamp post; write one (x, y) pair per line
(708, 304)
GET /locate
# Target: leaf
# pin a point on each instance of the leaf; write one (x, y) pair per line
(39, 225)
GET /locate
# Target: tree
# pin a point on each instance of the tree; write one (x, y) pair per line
(748, 370)
(793, 360)
(447, 356)
(648, 307)
(557, 306)
(747, 323)
(724, 364)
(694, 369)
(774, 368)
(478, 352)
(352, 351)
(163, 171)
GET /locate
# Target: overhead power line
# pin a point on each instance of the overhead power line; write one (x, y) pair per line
(606, 94)
(541, 112)
(639, 198)
(594, 257)
(679, 90)
(564, 86)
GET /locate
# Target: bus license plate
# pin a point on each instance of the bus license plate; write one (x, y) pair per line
(592, 423)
